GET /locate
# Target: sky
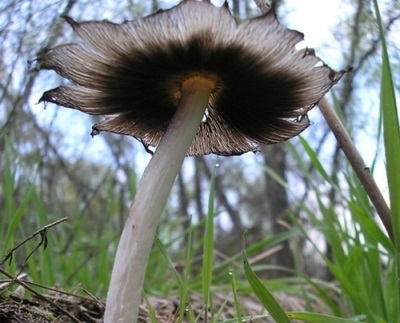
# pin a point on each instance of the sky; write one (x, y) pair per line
(317, 20)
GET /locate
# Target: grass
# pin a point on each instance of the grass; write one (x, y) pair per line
(391, 134)
(68, 241)
(364, 262)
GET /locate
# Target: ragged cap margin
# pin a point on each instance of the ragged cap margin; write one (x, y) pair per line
(130, 73)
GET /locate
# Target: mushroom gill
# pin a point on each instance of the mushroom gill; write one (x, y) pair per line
(131, 73)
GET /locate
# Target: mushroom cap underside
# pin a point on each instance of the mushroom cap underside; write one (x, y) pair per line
(131, 73)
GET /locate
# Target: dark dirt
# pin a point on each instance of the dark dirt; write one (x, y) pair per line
(20, 302)
(53, 307)
(60, 307)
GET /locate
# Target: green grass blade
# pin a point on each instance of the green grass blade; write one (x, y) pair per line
(235, 296)
(8, 183)
(262, 293)
(46, 257)
(208, 252)
(183, 294)
(246, 319)
(340, 272)
(315, 160)
(391, 134)
(217, 316)
(150, 309)
(318, 318)
(164, 252)
(17, 217)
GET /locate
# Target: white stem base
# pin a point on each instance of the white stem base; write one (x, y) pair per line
(127, 277)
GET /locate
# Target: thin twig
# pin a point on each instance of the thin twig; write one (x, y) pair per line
(55, 290)
(97, 300)
(26, 286)
(41, 232)
(358, 164)
(9, 283)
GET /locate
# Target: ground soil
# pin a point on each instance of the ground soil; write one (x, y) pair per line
(60, 307)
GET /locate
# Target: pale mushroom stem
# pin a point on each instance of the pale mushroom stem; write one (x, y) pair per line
(128, 273)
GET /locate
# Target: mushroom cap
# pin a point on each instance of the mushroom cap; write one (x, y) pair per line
(131, 73)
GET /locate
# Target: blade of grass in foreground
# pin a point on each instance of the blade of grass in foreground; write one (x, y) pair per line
(235, 296)
(318, 318)
(261, 292)
(391, 134)
(208, 253)
(183, 293)
(46, 255)
(184, 309)
(246, 319)
(16, 219)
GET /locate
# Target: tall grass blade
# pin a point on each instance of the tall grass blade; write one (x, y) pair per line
(164, 252)
(246, 319)
(235, 296)
(46, 257)
(15, 220)
(186, 278)
(262, 292)
(391, 135)
(183, 293)
(152, 312)
(318, 318)
(314, 159)
(391, 132)
(208, 253)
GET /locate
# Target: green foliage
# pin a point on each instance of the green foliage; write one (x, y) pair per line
(235, 296)
(391, 134)
(363, 260)
(69, 255)
(208, 253)
(263, 294)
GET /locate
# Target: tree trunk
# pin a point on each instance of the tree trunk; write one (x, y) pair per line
(275, 157)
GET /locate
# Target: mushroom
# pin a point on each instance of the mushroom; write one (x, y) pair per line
(185, 81)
